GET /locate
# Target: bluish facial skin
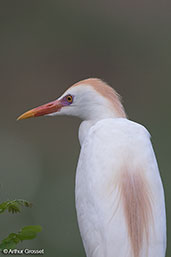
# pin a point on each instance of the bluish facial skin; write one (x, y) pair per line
(46, 109)
(67, 100)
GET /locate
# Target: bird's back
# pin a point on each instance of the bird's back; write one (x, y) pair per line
(119, 194)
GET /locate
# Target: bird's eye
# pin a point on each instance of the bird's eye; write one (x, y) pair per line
(69, 98)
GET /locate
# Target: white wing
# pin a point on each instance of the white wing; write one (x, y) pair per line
(119, 194)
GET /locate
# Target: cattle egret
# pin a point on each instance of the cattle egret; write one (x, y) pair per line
(119, 194)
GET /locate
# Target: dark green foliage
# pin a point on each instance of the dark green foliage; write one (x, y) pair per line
(25, 233)
(14, 206)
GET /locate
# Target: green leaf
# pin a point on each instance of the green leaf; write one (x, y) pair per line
(29, 232)
(9, 242)
(14, 206)
(7, 245)
(26, 233)
(35, 228)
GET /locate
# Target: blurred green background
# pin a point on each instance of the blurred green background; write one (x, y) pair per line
(46, 46)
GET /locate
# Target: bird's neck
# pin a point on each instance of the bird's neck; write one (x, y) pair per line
(99, 113)
(84, 129)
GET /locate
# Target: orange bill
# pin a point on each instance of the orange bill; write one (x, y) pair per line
(45, 109)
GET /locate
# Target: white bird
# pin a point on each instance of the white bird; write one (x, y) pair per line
(119, 194)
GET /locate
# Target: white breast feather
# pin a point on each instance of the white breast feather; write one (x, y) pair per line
(113, 151)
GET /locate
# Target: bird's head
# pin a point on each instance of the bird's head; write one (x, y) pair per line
(89, 99)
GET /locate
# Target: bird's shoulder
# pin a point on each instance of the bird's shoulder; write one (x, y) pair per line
(120, 127)
(120, 136)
